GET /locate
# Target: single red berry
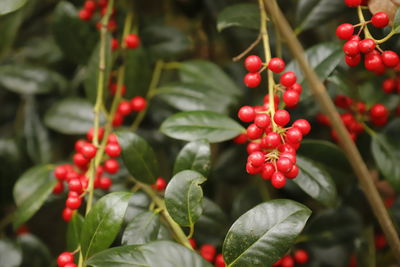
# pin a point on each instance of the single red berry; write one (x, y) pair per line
(378, 111)
(70, 265)
(75, 185)
(208, 251)
(380, 241)
(345, 31)
(193, 243)
(113, 88)
(58, 188)
(102, 3)
(278, 180)
(262, 120)
(124, 108)
(114, 44)
(252, 80)
(240, 139)
(294, 135)
(256, 158)
(303, 125)
(271, 140)
(380, 19)
(253, 132)
(112, 139)
(105, 183)
(276, 65)
(389, 85)
(366, 46)
(85, 14)
(90, 134)
(353, 61)
(287, 148)
(89, 151)
(118, 120)
(80, 160)
(67, 214)
(65, 258)
(90, 5)
(73, 203)
(60, 172)
(111, 166)
(79, 144)
(390, 59)
(288, 79)
(251, 169)
(138, 103)
(350, 48)
(300, 256)
(253, 63)
(113, 150)
(160, 184)
(355, 38)
(381, 121)
(246, 114)
(132, 41)
(281, 117)
(293, 172)
(343, 101)
(352, 3)
(291, 98)
(278, 263)
(252, 147)
(71, 175)
(374, 63)
(361, 107)
(284, 164)
(267, 171)
(296, 87)
(219, 261)
(323, 119)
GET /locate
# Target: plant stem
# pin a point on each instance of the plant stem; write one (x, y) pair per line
(248, 49)
(347, 144)
(362, 21)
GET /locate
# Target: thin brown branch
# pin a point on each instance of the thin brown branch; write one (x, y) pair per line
(347, 144)
(248, 49)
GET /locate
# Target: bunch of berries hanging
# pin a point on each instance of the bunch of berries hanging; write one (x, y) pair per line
(272, 143)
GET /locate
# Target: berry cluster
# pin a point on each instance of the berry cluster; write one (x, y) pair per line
(272, 147)
(300, 256)
(75, 175)
(355, 114)
(209, 253)
(66, 259)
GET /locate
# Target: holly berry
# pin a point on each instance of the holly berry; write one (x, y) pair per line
(138, 103)
(113, 88)
(262, 120)
(281, 117)
(112, 139)
(193, 243)
(253, 132)
(246, 114)
(132, 41)
(352, 3)
(111, 166)
(60, 172)
(345, 31)
(58, 188)
(70, 265)
(288, 79)
(366, 46)
(89, 151)
(353, 61)
(284, 164)
(67, 214)
(85, 14)
(294, 135)
(303, 125)
(374, 63)
(287, 261)
(219, 261)
(291, 98)
(389, 85)
(105, 183)
(278, 180)
(113, 150)
(380, 19)
(296, 87)
(256, 158)
(252, 80)
(124, 108)
(379, 111)
(118, 120)
(350, 48)
(73, 203)
(90, 134)
(160, 184)
(300, 256)
(90, 5)
(208, 252)
(271, 140)
(293, 172)
(75, 185)
(276, 65)
(267, 171)
(65, 258)
(80, 160)
(253, 146)
(390, 59)
(240, 139)
(253, 63)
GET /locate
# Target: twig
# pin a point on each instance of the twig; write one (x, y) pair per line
(347, 144)
(248, 49)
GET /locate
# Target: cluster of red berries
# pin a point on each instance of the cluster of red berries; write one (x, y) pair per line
(272, 147)
(74, 175)
(66, 259)
(355, 114)
(209, 253)
(300, 256)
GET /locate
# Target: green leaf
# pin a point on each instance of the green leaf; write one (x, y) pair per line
(25, 79)
(31, 191)
(103, 222)
(195, 125)
(138, 156)
(74, 231)
(75, 37)
(11, 254)
(9, 26)
(264, 234)
(92, 72)
(137, 72)
(241, 15)
(142, 229)
(158, 253)
(8, 6)
(184, 197)
(164, 41)
(138, 203)
(323, 58)
(208, 73)
(34, 251)
(396, 20)
(70, 116)
(194, 96)
(316, 12)
(195, 156)
(315, 181)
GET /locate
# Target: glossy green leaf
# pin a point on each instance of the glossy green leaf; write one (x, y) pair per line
(35, 252)
(75, 37)
(137, 72)
(70, 116)
(184, 197)
(74, 231)
(323, 58)
(194, 96)
(316, 12)
(9, 25)
(264, 234)
(92, 72)
(195, 125)
(142, 229)
(11, 254)
(158, 253)
(8, 6)
(31, 191)
(103, 222)
(195, 156)
(241, 15)
(25, 79)
(138, 203)
(396, 20)
(315, 181)
(208, 73)
(138, 156)
(248, 197)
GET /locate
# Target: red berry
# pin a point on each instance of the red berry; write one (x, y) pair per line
(287, 148)
(252, 147)
(67, 214)
(240, 139)
(380, 19)
(294, 135)
(105, 183)
(267, 171)
(262, 120)
(208, 252)
(132, 41)
(90, 134)
(80, 160)
(246, 114)
(352, 3)
(124, 108)
(343, 101)
(252, 80)
(193, 243)
(303, 125)
(287, 261)
(284, 164)
(79, 144)
(113, 150)
(251, 169)
(118, 120)
(253, 132)
(71, 175)
(345, 31)
(138, 103)
(353, 61)
(296, 87)
(219, 261)
(276, 65)
(85, 14)
(288, 79)
(65, 258)
(379, 111)
(70, 265)
(293, 172)
(291, 98)
(89, 151)
(160, 184)
(366, 46)
(111, 166)
(390, 59)
(58, 188)
(75, 185)
(323, 119)
(253, 63)
(90, 5)
(278, 180)
(112, 139)
(256, 159)
(73, 203)
(350, 48)
(281, 117)
(271, 140)
(114, 87)
(114, 44)
(60, 172)
(389, 85)
(300, 256)
(374, 63)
